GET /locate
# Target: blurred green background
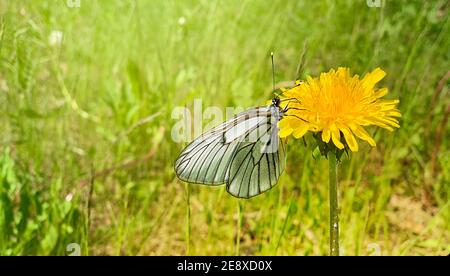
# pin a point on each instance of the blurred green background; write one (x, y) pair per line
(86, 155)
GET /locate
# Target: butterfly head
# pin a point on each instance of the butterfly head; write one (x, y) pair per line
(276, 102)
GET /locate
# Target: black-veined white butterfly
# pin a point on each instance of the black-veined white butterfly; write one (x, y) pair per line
(245, 153)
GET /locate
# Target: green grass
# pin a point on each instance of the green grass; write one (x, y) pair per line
(74, 121)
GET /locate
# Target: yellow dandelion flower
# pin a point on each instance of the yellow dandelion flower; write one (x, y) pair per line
(338, 104)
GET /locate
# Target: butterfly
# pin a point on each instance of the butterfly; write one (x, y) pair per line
(245, 153)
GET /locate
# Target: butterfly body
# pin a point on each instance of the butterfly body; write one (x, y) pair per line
(245, 153)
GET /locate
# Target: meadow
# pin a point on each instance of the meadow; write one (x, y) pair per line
(87, 90)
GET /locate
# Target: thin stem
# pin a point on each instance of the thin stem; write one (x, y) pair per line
(238, 229)
(188, 218)
(334, 208)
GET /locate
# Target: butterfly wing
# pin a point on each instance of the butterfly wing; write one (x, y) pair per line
(257, 165)
(207, 159)
(244, 152)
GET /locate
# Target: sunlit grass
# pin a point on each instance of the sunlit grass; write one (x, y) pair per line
(74, 110)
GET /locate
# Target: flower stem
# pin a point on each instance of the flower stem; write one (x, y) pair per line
(334, 208)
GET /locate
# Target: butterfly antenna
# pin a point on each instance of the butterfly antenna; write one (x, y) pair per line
(273, 73)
